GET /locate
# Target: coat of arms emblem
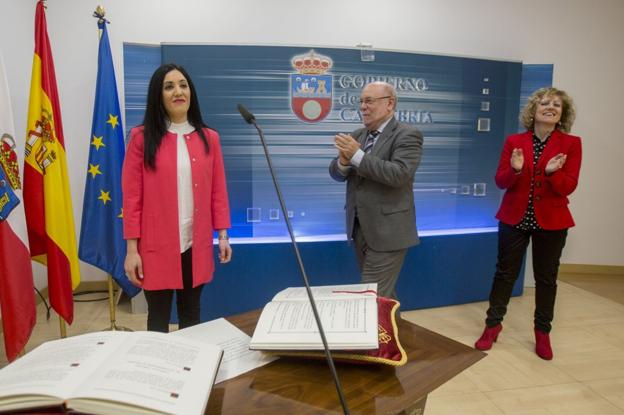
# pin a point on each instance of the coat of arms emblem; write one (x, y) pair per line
(311, 87)
(9, 176)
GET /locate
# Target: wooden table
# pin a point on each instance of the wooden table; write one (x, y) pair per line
(294, 386)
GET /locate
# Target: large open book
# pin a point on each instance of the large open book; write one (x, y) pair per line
(113, 372)
(348, 315)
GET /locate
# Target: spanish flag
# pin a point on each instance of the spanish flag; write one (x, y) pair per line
(47, 200)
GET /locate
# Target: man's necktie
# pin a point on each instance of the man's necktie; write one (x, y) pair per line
(370, 140)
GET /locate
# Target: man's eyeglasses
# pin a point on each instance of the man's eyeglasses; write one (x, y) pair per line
(370, 100)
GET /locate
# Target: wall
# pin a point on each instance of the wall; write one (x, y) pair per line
(582, 39)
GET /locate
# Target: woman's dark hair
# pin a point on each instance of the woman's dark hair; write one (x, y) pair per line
(156, 120)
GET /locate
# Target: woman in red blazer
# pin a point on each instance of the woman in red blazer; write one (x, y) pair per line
(174, 197)
(538, 170)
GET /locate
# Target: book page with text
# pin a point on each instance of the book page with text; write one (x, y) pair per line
(157, 371)
(237, 357)
(349, 323)
(57, 367)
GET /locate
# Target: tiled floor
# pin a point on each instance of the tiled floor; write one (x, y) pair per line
(88, 316)
(585, 377)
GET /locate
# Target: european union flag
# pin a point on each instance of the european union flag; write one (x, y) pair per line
(101, 234)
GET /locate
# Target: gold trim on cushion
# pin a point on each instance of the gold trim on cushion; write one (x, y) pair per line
(354, 356)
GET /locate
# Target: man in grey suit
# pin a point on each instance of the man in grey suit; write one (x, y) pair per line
(378, 163)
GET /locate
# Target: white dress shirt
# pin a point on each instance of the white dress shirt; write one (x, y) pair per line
(359, 154)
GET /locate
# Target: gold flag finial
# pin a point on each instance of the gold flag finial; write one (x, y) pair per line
(99, 13)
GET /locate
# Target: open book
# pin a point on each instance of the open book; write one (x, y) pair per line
(348, 314)
(113, 372)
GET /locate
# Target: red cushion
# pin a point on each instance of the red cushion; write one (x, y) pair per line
(390, 351)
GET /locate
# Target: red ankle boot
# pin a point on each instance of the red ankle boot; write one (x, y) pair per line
(489, 336)
(542, 345)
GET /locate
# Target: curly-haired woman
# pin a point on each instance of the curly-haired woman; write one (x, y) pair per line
(538, 169)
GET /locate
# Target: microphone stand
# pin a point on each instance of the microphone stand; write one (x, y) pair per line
(252, 120)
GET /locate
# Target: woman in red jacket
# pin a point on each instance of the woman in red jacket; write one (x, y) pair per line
(174, 197)
(538, 170)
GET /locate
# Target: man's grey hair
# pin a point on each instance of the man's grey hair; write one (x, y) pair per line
(389, 90)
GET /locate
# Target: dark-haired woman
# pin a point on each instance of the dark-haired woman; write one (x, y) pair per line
(539, 169)
(174, 198)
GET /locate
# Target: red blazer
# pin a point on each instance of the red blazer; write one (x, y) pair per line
(150, 207)
(550, 193)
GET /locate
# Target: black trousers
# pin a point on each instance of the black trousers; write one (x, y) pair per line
(187, 300)
(512, 246)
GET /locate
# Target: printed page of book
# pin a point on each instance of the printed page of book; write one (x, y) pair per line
(56, 368)
(328, 291)
(349, 323)
(237, 357)
(153, 370)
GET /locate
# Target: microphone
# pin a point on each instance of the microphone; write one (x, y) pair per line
(250, 119)
(248, 116)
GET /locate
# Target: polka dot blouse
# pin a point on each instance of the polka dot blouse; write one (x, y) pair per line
(528, 222)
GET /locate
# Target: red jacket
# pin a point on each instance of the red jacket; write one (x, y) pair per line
(550, 193)
(150, 207)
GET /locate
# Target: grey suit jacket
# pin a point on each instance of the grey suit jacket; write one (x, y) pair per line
(380, 190)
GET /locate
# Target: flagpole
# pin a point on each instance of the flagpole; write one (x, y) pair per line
(99, 13)
(97, 236)
(49, 219)
(62, 327)
(17, 302)
(111, 308)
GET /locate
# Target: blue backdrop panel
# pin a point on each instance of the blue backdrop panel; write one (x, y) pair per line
(534, 76)
(465, 108)
(446, 97)
(140, 61)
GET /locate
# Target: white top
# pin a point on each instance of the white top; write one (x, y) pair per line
(185, 185)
